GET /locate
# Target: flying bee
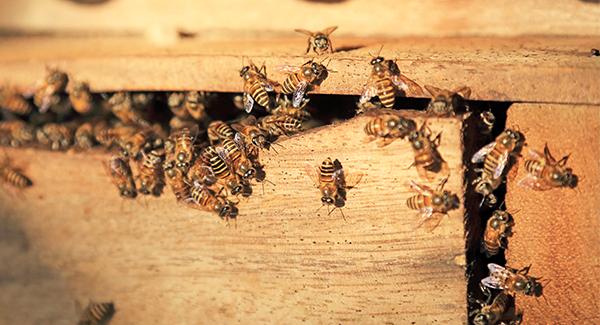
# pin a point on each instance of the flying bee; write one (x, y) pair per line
(254, 136)
(432, 204)
(121, 176)
(80, 96)
(319, 42)
(207, 199)
(285, 108)
(333, 182)
(256, 86)
(50, 90)
(84, 136)
(195, 104)
(302, 79)
(216, 158)
(545, 172)
(13, 176)
(97, 313)
(428, 160)
(278, 125)
(486, 122)
(492, 312)
(218, 131)
(56, 136)
(11, 100)
(512, 281)
(495, 157)
(388, 126)
(122, 106)
(18, 133)
(497, 230)
(386, 81)
(151, 177)
(175, 178)
(447, 102)
(235, 155)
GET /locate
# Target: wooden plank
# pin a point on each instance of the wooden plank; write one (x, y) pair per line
(357, 17)
(282, 262)
(557, 231)
(538, 69)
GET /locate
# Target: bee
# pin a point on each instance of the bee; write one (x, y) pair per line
(301, 79)
(175, 178)
(84, 136)
(486, 122)
(177, 123)
(256, 86)
(201, 173)
(195, 104)
(184, 149)
(12, 100)
(13, 176)
(18, 133)
(428, 160)
(495, 157)
(512, 281)
(151, 177)
(285, 108)
(217, 159)
(491, 312)
(142, 101)
(121, 176)
(319, 42)
(545, 173)
(50, 90)
(387, 127)
(207, 199)
(432, 204)
(176, 103)
(108, 136)
(56, 136)
(235, 155)
(331, 179)
(97, 313)
(254, 136)
(385, 81)
(497, 230)
(121, 105)
(446, 102)
(80, 96)
(218, 131)
(277, 125)
(138, 142)
(595, 52)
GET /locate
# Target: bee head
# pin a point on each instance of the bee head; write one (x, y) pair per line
(529, 287)
(569, 179)
(244, 71)
(247, 171)
(482, 318)
(236, 188)
(222, 208)
(511, 138)
(417, 143)
(377, 60)
(499, 218)
(327, 200)
(321, 42)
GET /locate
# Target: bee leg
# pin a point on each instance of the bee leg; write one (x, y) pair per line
(308, 47)
(525, 270)
(384, 142)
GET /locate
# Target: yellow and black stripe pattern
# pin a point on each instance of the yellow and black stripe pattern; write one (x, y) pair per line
(216, 163)
(418, 202)
(15, 178)
(386, 91)
(97, 313)
(12, 101)
(491, 161)
(290, 83)
(219, 130)
(257, 91)
(326, 171)
(534, 167)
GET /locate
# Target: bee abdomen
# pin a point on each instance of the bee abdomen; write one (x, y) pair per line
(386, 92)
(15, 178)
(290, 84)
(16, 104)
(259, 94)
(326, 170)
(490, 162)
(415, 202)
(534, 167)
(232, 149)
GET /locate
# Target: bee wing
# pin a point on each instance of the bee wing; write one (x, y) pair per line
(329, 30)
(238, 139)
(313, 174)
(479, 156)
(369, 92)
(347, 180)
(420, 188)
(535, 183)
(288, 68)
(304, 31)
(464, 92)
(400, 84)
(299, 93)
(431, 222)
(412, 85)
(433, 91)
(495, 268)
(534, 154)
(492, 282)
(502, 162)
(248, 102)
(223, 154)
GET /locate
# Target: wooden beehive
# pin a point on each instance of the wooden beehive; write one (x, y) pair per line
(70, 237)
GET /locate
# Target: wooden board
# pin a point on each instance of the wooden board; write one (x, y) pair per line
(281, 262)
(557, 231)
(356, 17)
(543, 69)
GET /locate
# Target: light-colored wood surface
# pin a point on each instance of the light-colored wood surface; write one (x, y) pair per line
(542, 69)
(356, 17)
(557, 231)
(281, 262)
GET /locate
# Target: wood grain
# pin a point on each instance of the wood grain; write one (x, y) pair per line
(356, 17)
(557, 231)
(281, 262)
(542, 69)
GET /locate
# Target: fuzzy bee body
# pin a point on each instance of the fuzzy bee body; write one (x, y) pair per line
(428, 161)
(431, 204)
(388, 127)
(122, 177)
(12, 100)
(256, 85)
(80, 96)
(447, 102)
(175, 178)
(319, 42)
(56, 136)
(84, 136)
(301, 79)
(151, 176)
(492, 312)
(208, 200)
(236, 154)
(184, 149)
(221, 169)
(52, 87)
(219, 130)
(512, 281)
(545, 172)
(16, 133)
(97, 313)
(123, 107)
(277, 125)
(497, 229)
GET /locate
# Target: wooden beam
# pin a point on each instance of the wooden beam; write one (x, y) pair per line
(280, 262)
(557, 231)
(539, 69)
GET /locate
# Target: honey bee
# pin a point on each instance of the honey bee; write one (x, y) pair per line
(175, 178)
(428, 160)
(495, 157)
(492, 312)
(545, 173)
(84, 136)
(253, 135)
(446, 102)
(512, 281)
(122, 106)
(12, 100)
(216, 158)
(301, 79)
(218, 131)
(333, 182)
(486, 122)
(56, 136)
(138, 142)
(13, 176)
(385, 81)
(108, 136)
(432, 204)
(285, 108)
(151, 177)
(277, 125)
(50, 90)
(234, 153)
(195, 104)
(80, 96)
(184, 149)
(319, 42)
(97, 313)
(387, 127)
(142, 101)
(201, 173)
(121, 176)
(498, 228)
(207, 199)
(256, 86)
(17, 132)
(176, 103)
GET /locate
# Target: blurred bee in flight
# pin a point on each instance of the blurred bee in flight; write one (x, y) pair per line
(446, 103)
(256, 87)
(431, 204)
(302, 79)
(545, 172)
(512, 281)
(319, 42)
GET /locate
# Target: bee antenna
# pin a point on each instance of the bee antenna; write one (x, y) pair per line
(343, 216)
(322, 205)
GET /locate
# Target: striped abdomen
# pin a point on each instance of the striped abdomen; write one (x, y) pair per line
(491, 161)
(232, 150)
(491, 241)
(201, 196)
(15, 178)
(97, 313)
(218, 130)
(218, 165)
(375, 127)
(291, 83)
(496, 310)
(326, 171)
(419, 201)
(290, 124)
(386, 91)
(426, 157)
(257, 91)
(14, 102)
(534, 167)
